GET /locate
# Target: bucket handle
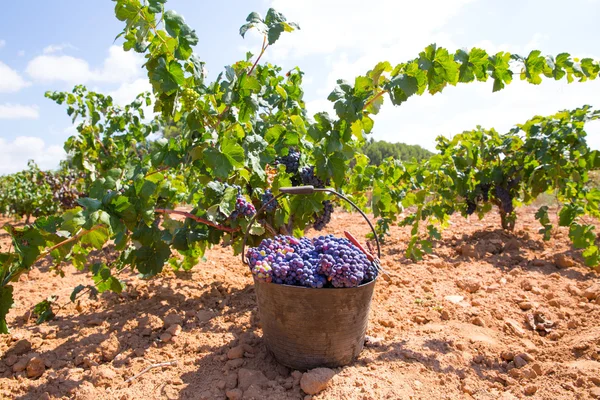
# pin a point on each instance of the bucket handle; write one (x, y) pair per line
(306, 190)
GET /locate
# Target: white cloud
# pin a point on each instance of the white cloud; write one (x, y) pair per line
(15, 154)
(10, 80)
(18, 111)
(127, 92)
(55, 48)
(120, 66)
(335, 25)
(2, 43)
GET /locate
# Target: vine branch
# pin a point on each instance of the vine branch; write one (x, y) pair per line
(197, 219)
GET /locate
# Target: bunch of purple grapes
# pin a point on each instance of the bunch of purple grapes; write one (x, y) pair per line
(321, 220)
(291, 161)
(243, 208)
(325, 261)
(505, 199)
(308, 177)
(267, 197)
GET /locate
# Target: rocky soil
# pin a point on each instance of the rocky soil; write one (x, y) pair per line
(490, 315)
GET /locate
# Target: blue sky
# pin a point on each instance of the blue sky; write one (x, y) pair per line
(54, 45)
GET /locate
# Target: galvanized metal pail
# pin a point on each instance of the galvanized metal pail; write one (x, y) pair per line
(307, 328)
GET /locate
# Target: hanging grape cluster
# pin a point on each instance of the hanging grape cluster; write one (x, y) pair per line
(291, 161)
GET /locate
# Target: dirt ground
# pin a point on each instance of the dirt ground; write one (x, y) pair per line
(490, 316)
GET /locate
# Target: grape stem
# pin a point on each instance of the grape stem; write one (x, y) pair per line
(378, 95)
(197, 219)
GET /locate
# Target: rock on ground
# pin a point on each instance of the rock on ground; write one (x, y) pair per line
(316, 380)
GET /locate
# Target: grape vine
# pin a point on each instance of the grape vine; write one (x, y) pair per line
(232, 139)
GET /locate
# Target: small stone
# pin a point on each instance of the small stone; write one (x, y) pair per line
(592, 293)
(554, 303)
(165, 337)
(234, 394)
(172, 319)
(530, 390)
(221, 384)
(513, 327)
(103, 376)
(297, 376)
(526, 356)
(253, 393)
(469, 284)
(478, 321)
(529, 373)
(316, 380)
(563, 261)
(468, 251)
(247, 377)
(22, 346)
(538, 262)
(467, 386)
(526, 285)
(454, 299)
(11, 360)
(231, 381)
(233, 364)
(387, 323)
(204, 316)
(95, 322)
(519, 362)
(537, 368)
(110, 348)
(235, 352)
(174, 330)
(525, 305)
(420, 319)
(512, 245)
(371, 341)
(20, 365)
(35, 368)
(507, 355)
(595, 393)
(445, 315)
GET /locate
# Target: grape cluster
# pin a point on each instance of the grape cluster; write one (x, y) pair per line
(471, 207)
(485, 191)
(189, 97)
(505, 199)
(265, 198)
(64, 187)
(321, 220)
(291, 161)
(308, 177)
(243, 208)
(325, 261)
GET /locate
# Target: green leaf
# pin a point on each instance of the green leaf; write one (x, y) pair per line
(6, 302)
(96, 238)
(75, 292)
(223, 161)
(44, 311)
(155, 6)
(166, 77)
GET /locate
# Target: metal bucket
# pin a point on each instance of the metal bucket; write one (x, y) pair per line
(306, 328)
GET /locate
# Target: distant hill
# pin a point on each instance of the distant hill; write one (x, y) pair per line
(378, 150)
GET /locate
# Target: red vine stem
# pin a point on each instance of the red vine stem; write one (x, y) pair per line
(378, 95)
(69, 240)
(197, 219)
(161, 169)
